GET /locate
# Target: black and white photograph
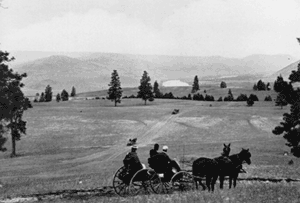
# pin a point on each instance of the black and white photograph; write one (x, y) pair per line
(150, 101)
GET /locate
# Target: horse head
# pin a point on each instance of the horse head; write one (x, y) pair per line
(226, 150)
(245, 156)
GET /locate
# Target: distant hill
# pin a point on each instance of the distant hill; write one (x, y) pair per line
(92, 71)
(285, 72)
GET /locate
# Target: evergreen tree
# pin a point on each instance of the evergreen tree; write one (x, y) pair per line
(229, 96)
(281, 100)
(156, 91)
(73, 92)
(290, 126)
(223, 84)
(58, 97)
(195, 87)
(13, 103)
(115, 90)
(48, 94)
(261, 86)
(145, 88)
(64, 95)
(42, 97)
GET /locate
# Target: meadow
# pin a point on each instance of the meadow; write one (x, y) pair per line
(79, 144)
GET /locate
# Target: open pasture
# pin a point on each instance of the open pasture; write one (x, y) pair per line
(80, 144)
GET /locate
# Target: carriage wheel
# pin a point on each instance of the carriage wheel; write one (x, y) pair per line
(140, 183)
(120, 187)
(183, 181)
(157, 184)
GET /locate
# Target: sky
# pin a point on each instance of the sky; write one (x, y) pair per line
(228, 28)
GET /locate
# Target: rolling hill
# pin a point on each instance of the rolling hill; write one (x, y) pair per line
(285, 72)
(92, 71)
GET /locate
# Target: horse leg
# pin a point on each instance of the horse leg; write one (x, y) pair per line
(221, 181)
(213, 182)
(208, 181)
(234, 180)
(230, 181)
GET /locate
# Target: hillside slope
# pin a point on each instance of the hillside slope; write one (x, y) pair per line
(92, 71)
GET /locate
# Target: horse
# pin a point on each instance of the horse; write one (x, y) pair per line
(209, 168)
(233, 168)
(220, 166)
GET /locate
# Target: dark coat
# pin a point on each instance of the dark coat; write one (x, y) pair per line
(132, 162)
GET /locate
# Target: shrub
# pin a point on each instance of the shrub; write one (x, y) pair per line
(209, 98)
(268, 98)
(253, 97)
(242, 97)
(250, 102)
(220, 99)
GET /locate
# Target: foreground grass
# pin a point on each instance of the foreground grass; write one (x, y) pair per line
(245, 192)
(68, 144)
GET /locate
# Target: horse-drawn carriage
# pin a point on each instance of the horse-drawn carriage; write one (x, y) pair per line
(147, 180)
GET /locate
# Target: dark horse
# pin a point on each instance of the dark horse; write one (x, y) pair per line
(220, 166)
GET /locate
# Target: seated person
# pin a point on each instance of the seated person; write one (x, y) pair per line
(154, 151)
(162, 163)
(132, 164)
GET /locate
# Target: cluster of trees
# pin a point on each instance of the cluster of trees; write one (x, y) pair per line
(290, 126)
(47, 95)
(145, 89)
(13, 103)
(261, 86)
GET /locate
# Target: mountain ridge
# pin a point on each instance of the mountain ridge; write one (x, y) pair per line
(92, 71)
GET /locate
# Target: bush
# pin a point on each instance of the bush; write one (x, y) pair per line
(209, 98)
(253, 97)
(250, 102)
(220, 99)
(151, 99)
(268, 98)
(242, 97)
(198, 97)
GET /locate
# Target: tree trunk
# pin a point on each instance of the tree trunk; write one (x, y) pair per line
(13, 142)
(145, 101)
(115, 102)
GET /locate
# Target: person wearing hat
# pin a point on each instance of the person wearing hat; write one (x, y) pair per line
(132, 162)
(165, 148)
(154, 151)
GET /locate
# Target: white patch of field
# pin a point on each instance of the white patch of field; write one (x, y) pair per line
(199, 122)
(262, 123)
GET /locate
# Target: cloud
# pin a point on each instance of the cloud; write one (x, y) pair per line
(96, 30)
(232, 28)
(235, 27)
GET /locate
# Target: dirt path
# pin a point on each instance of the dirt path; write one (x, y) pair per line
(146, 136)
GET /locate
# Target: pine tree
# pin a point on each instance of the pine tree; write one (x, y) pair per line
(58, 97)
(115, 90)
(145, 88)
(290, 126)
(64, 95)
(48, 94)
(42, 97)
(156, 91)
(195, 87)
(223, 84)
(73, 92)
(281, 100)
(13, 103)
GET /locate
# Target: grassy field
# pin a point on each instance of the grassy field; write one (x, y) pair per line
(80, 144)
